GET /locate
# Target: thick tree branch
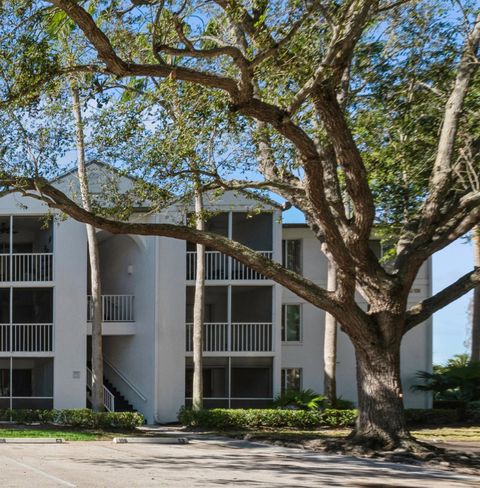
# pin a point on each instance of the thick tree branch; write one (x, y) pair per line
(301, 286)
(423, 310)
(441, 178)
(349, 28)
(462, 216)
(119, 67)
(233, 52)
(349, 158)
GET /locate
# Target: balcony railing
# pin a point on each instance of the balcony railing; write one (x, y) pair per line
(26, 267)
(26, 337)
(235, 337)
(116, 308)
(218, 266)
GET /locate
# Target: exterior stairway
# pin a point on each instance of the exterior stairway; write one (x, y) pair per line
(120, 403)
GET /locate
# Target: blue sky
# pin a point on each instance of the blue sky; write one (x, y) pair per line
(451, 324)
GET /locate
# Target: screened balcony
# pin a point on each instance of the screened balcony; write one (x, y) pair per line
(237, 382)
(26, 320)
(26, 249)
(255, 232)
(26, 383)
(237, 319)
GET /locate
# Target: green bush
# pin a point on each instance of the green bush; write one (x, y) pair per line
(341, 404)
(300, 400)
(431, 417)
(449, 404)
(253, 419)
(246, 419)
(79, 418)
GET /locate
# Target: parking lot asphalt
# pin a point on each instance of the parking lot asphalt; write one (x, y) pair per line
(204, 463)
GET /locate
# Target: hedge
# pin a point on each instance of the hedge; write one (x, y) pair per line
(83, 418)
(251, 419)
(245, 419)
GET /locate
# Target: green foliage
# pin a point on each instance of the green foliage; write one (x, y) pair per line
(301, 400)
(475, 405)
(431, 416)
(459, 379)
(341, 404)
(442, 416)
(253, 419)
(80, 418)
(245, 419)
(308, 400)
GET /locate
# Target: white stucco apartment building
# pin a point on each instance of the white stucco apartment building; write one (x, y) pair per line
(259, 337)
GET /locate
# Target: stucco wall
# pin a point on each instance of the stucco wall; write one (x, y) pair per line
(70, 314)
(170, 336)
(132, 355)
(69, 299)
(416, 353)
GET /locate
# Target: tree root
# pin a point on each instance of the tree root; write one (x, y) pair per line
(406, 450)
(377, 440)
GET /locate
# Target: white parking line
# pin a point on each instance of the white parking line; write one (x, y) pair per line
(39, 471)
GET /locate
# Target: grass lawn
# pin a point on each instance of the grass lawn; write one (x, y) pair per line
(440, 434)
(64, 433)
(444, 434)
(470, 434)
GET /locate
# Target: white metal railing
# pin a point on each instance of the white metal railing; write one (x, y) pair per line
(216, 265)
(26, 337)
(241, 271)
(235, 337)
(108, 396)
(215, 337)
(219, 266)
(252, 337)
(111, 370)
(116, 308)
(26, 267)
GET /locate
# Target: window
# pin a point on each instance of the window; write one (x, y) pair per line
(291, 323)
(291, 379)
(292, 254)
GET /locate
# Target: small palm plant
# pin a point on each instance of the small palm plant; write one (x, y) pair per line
(300, 400)
(459, 379)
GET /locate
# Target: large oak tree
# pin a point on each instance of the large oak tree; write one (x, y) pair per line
(333, 119)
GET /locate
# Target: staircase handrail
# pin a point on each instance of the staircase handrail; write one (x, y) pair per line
(108, 396)
(125, 380)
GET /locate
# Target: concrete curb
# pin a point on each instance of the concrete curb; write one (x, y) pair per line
(32, 440)
(150, 440)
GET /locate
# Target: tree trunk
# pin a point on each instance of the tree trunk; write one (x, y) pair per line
(97, 345)
(475, 353)
(198, 310)
(381, 421)
(94, 257)
(330, 344)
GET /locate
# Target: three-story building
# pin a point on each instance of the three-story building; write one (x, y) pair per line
(259, 338)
